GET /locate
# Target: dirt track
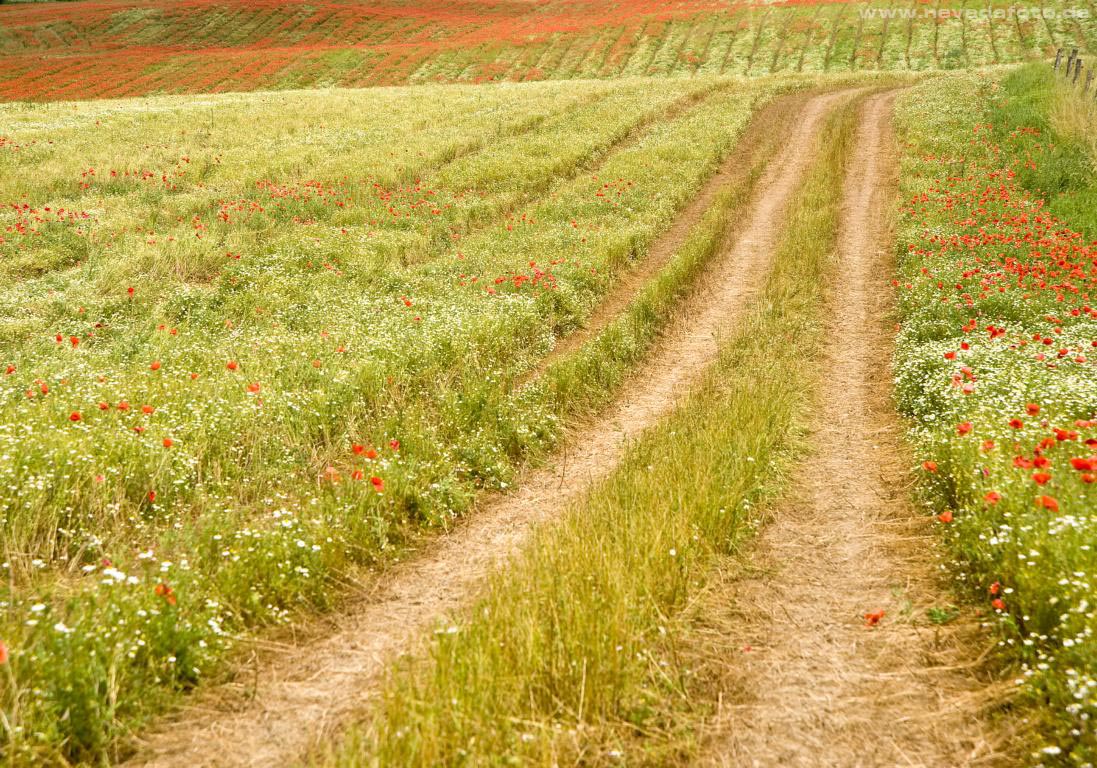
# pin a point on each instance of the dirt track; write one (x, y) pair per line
(813, 685)
(302, 693)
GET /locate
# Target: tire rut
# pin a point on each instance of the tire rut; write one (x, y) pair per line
(303, 693)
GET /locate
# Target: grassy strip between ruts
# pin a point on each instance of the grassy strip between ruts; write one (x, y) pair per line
(571, 654)
(88, 724)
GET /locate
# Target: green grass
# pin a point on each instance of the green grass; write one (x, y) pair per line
(1066, 175)
(571, 654)
(996, 368)
(248, 527)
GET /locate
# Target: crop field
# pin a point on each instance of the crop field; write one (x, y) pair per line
(113, 48)
(547, 382)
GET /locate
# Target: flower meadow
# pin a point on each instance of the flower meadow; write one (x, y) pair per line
(117, 48)
(997, 368)
(265, 353)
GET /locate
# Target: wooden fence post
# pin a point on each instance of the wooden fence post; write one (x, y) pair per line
(1089, 81)
(1058, 58)
(1070, 60)
(1077, 71)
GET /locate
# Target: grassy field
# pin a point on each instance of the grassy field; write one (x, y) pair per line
(112, 48)
(231, 376)
(997, 358)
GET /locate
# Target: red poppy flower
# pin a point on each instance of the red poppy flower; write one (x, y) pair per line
(993, 497)
(152, 496)
(872, 619)
(232, 365)
(377, 483)
(964, 428)
(74, 416)
(155, 365)
(168, 442)
(1041, 478)
(1016, 423)
(253, 387)
(1032, 409)
(123, 406)
(1049, 503)
(147, 409)
(166, 592)
(998, 603)
(929, 466)
(946, 516)
(1083, 465)
(3, 653)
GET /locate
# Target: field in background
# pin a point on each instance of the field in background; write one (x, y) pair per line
(111, 48)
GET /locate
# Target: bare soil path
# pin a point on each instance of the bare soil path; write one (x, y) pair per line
(302, 693)
(817, 685)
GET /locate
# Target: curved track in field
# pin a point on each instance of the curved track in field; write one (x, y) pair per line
(301, 693)
(814, 684)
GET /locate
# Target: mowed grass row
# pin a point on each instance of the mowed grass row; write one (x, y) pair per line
(151, 592)
(997, 366)
(51, 53)
(572, 654)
